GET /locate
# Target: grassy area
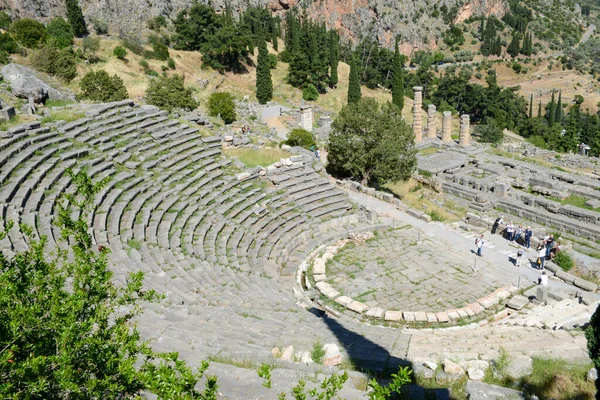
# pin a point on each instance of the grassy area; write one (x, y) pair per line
(576, 201)
(428, 150)
(419, 197)
(550, 379)
(252, 158)
(66, 114)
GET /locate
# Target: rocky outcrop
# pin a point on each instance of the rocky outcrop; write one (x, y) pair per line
(418, 22)
(25, 84)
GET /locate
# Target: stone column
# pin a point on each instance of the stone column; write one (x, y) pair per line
(431, 128)
(417, 121)
(465, 134)
(306, 118)
(447, 127)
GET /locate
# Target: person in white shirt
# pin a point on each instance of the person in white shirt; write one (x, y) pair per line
(510, 230)
(479, 243)
(543, 279)
(542, 257)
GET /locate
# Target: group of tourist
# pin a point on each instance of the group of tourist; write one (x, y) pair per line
(245, 130)
(547, 248)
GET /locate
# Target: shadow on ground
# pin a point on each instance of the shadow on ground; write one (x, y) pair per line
(376, 361)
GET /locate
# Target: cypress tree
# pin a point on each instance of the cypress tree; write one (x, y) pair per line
(558, 118)
(551, 110)
(354, 93)
(75, 17)
(398, 80)
(539, 109)
(264, 84)
(275, 42)
(334, 57)
(482, 28)
(530, 106)
(514, 46)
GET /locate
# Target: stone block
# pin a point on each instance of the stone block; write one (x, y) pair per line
(344, 300)
(484, 391)
(517, 302)
(409, 316)
(358, 307)
(452, 368)
(420, 316)
(394, 316)
(425, 217)
(462, 313)
(565, 276)
(519, 366)
(319, 266)
(7, 113)
(375, 312)
(453, 315)
(487, 302)
(288, 353)
(541, 293)
(332, 356)
(296, 158)
(431, 318)
(476, 307)
(442, 317)
(475, 374)
(585, 285)
(414, 213)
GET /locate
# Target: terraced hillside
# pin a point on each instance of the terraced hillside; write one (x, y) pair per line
(220, 243)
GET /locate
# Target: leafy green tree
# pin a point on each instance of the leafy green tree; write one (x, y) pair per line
(264, 83)
(354, 93)
(75, 17)
(120, 52)
(300, 137)
(170, 92)
(223, 104)
(30, 33)
(61, 63)
(310, 92)
(398, 80)
(8, 44)
(62, 33)
(90, 46)
(101, 87)
(5, 20)
(592, 334)
(489, 132)
(371, 144)
(100, 26)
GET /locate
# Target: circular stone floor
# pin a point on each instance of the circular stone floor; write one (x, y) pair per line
(394, 272)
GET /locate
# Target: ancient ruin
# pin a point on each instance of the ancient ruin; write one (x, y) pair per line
(417, 119)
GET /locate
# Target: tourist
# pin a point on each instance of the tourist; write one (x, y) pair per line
(528, 234)
(541, 257)
(317, 154)
(479, 243)
(510, 230)
(497, 223)
(543, 279)
(518, 233)
(549, 245)
(519, 257)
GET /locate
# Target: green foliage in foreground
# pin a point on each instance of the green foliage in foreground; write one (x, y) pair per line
(101, 87)
(592, 334)
(300, 137)
(169, 93)
(222, 103)
(371, 144)
(67, 332)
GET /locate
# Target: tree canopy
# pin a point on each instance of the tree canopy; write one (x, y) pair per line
(170, 92)
(100, 86)
(371, 143)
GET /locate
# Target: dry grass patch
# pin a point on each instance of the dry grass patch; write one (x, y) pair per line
(257, 157)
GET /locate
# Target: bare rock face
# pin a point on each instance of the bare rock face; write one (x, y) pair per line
(381, 19)
(25, 84)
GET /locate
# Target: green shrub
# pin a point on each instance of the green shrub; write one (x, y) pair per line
(169, 93)
(5, 20)
(120, 52)
(101, 87)
(133, 44)
(317, 353)
(90, 45)
(61, 32)
(4, 57)
(436, 216)
(489, 132)
(564, 260)
(300, 137)
(30, 33)
(171, 63)
(310, 92)
(144, 64)
(160, 51)
(57, 62)
(152, 72)
(272, 61)
(155, 23)
(8, 44)
(100, 26)
(222, 103)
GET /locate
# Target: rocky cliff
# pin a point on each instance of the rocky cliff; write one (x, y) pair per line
(419, 22)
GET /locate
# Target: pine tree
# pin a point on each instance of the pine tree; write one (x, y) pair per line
(264, 84)
(551, 108)
(514, 46)
(398, 80)
(530, 106)
(334, 57)
(354, 93)
(558, 118)
(75, 17)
